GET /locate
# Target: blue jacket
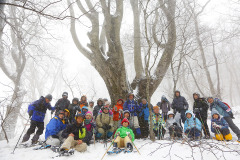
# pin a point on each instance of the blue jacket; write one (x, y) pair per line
(132, 106)
(54, 126)
(144, 111)
(220, 107)
(179, 103)
(39, 109)
(192, 122)
(84, 107)
(220, 121)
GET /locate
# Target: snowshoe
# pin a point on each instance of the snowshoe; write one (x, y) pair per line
(128, 150)
(42, 147)
(66, 153)
(114, 151)
(55, 148)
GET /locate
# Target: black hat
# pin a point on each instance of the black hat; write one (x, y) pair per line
(49, 97)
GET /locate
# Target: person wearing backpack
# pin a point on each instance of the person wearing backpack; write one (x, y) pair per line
(37, 111)
(200, 109)
(226, 112)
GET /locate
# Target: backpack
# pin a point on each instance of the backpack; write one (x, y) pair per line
(229, 108)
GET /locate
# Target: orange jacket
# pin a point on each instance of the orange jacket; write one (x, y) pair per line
(116, 112)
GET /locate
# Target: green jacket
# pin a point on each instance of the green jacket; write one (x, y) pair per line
(123, 132)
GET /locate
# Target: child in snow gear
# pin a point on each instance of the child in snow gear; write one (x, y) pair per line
(77, 136)
(126, 114)
(158, 123)
(89, 125)
(165, 106)
(173, 126)
(116, 109)
(200, 109)
(192, 126)
(123, 137)
(180, 105)
(104, 123)
(83, 102)
(143, 118)
(37, 111)
(54, 130)
(226, 112)
(90, 106)
(132, 106)
(97, 108)
(73, 109)
(220, 127)
(62, 103)
(84, 110)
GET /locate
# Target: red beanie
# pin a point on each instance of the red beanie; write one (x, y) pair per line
(125, 120)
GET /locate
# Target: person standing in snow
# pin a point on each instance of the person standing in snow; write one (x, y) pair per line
(73, 109)
(56, 125)
(91, 106)
(97, 108)
(200, 109)
(180, 105)
(132, 106)
(116, 109)
(37, 111)
(62, 103)
(143, 118)
(165, 106)
(83, 101)
(225, 112)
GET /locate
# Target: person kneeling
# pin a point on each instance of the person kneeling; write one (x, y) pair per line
(174, 128)
(220, 127)
(123, 137)
(76, 135)
(192, 126)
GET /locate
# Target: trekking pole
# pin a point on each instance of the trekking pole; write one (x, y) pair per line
(108, 148)
(21, 134)
(203, 124)
(218, 132)
(135, 147)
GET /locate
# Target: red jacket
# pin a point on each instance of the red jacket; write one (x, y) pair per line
(115, 110)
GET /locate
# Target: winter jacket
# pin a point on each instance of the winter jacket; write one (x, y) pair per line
(124, 132)
(79, 131)
(132, 106)
(83, 102)
(164, 105)
(170, 121)
(39, 109)
(179, 103)
(200, 106)
(54, 126)
(103, 119)
(157, 123)
(192, 122)
(220, 121)
(145, 111)
(85, 107)
(62, 104)
(115, 111)
(220, 107)
(97, 108)
(73, 109)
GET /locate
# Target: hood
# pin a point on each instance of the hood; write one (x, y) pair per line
(214, 111)
(164, 99)
(126, 111)
(189, 111)
(176, 92)
(170, 112)
(85, 107)
(75, 99)
(197, 95)
(89, 112)
(66, 110)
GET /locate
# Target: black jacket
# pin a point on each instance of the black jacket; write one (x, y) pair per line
(200, 108)
(62, 104)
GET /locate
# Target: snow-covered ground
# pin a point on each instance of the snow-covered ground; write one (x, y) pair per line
(160, 149)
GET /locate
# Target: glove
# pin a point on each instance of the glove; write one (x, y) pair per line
(185, 107)
(196, 110)
(55, 136)
(175, 124)
(109, 127)
(30, 113)
(218, 127)
(105, 126)
(231, 114)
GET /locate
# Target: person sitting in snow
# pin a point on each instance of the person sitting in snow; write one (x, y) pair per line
(192, 126)
(76, 136)
(107, 104)
(53, 134)
(158, 123)
(173, 126)
(73, 109)
(90, 126)
(104, 123)
(124, 137)
(132, 106)
(220, 127)
(37, 111)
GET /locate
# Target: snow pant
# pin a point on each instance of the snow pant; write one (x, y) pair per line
(183, 116)
(31, 130)
(160, 132)
(175, 131)
(71, 143)
(102, 133)
(122, 142)
(55, 141)
(115, 124)
(164, 114)
(204, 125)
(193, 133)
(233, 127)
(144, 127)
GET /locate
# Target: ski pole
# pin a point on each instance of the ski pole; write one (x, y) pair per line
(109, 147)
(21, 134)
(135, 147)
(203, 124)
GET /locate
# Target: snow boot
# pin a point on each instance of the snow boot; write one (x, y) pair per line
(219, 137)
(228, 137)
(129, 148)
(35, 139)
(26, 138)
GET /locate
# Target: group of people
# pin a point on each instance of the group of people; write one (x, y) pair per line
(75, 124)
